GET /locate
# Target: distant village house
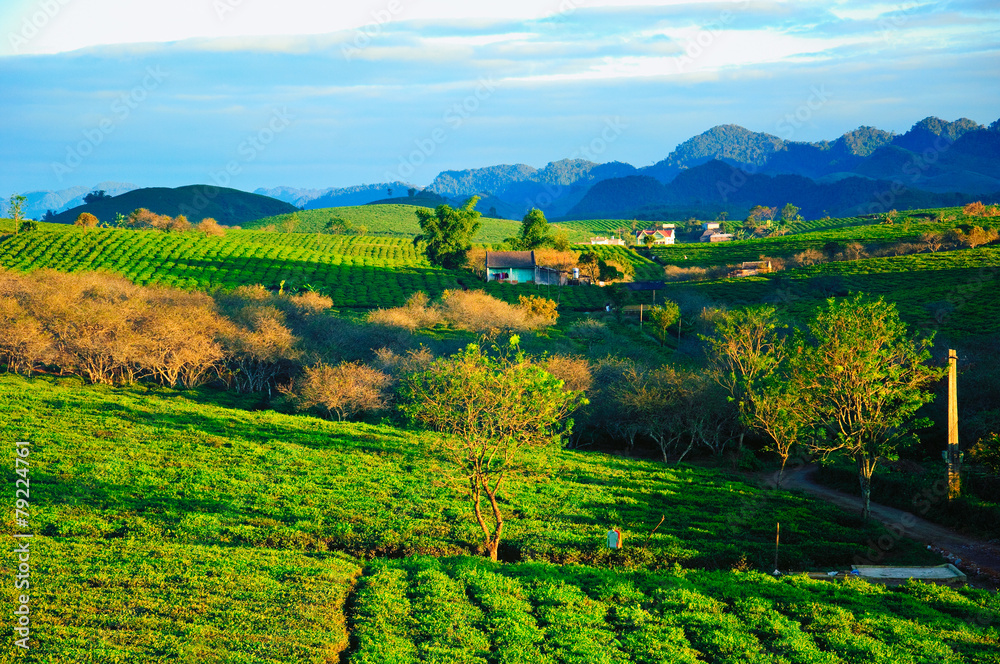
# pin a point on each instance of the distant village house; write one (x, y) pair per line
(519, 267)
(712, 232)
(662, 235)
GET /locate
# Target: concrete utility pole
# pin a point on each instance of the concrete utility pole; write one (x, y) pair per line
(954, 459)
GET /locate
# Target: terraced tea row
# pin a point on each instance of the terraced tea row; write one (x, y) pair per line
(467, 610)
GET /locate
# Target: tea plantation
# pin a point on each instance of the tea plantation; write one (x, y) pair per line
(357, 272)
(391, 220)
(196, 526)
(181, 526)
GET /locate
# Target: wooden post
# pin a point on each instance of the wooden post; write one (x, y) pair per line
(954, 478)
(640, 315)
(777, 538)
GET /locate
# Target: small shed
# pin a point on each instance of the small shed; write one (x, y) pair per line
(944, 575)
(715, 235)
(751, 268)
(519, 267)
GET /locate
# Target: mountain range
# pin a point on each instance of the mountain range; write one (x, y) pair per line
(727, 168)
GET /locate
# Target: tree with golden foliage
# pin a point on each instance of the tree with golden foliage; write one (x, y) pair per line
(210, 227)
(343, 390)
(86, 220)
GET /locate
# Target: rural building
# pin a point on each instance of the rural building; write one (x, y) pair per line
(607, 240)
(663, 235)
(750, 268)
(519, 267)
(714, 235)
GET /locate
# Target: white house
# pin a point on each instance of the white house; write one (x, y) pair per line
(659, 235)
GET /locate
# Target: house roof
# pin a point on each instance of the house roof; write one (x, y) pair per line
(665, 232)
(510, 259)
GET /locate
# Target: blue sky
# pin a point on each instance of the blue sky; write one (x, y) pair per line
(255, 93)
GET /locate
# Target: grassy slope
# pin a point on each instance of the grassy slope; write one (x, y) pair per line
(170, 526)
(392, 220)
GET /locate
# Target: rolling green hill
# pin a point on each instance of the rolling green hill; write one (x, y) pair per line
(230, 207)
(389, 220)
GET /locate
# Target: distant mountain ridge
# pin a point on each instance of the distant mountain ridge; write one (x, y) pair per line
(315, 199)
(934, 161)
(38, 203)
(952, 159)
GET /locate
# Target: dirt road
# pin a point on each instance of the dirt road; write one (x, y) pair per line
(975, 557)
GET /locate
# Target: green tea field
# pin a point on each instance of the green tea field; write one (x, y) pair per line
(391, 220)
(357, 272)
(171, 525)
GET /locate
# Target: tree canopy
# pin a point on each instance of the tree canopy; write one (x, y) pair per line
(868, 378)
(446, 234)
(492, 408)
(534, 233)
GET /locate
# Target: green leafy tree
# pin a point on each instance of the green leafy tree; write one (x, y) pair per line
(15, 209)
(446, 234)
(867, 378)
(789, 213)
(492, 409)
(663, 316)
(751, 362)
(534, 233)
(589, 263)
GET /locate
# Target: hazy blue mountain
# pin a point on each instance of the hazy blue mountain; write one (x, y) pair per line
(716, 186)
(40, 202)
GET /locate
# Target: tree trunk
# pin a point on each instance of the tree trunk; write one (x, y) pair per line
(865, 479)
(492, 540)
(781, 471)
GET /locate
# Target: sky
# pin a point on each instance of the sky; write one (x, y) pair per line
(301, 93)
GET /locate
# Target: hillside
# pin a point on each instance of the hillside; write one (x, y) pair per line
(203, 531)
(387, 219)
(229, 207)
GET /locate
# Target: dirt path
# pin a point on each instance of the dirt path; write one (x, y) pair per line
(973, 556)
